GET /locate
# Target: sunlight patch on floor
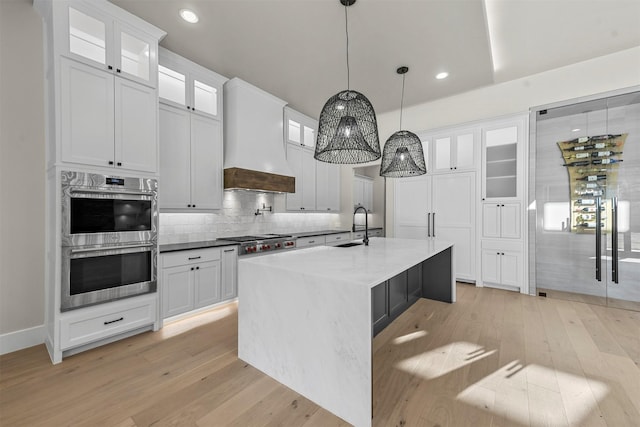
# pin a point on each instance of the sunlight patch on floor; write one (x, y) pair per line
(181, 326)
(536, 395)
(442, 360)
(410, 337)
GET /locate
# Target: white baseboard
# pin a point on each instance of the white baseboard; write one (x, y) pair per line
(17, 340)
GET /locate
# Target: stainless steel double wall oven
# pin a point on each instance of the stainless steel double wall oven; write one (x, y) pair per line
(109, 238)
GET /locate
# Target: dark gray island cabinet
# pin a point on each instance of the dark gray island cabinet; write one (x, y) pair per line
(429, 279)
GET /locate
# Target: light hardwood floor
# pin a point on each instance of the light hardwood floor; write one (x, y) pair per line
(494, 358)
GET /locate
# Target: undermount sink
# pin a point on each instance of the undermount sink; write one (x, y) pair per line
(348, 245)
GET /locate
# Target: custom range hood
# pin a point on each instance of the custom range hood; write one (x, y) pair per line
(254, 156)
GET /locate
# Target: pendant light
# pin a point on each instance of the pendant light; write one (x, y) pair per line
(403, 155)
(347, 128)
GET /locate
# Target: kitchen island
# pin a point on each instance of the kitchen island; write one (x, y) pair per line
(306, 317)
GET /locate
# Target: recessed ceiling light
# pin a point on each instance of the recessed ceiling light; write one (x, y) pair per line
(442, 75)
(575, 130)
(189, 16)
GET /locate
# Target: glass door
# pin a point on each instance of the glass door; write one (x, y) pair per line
(587, 189)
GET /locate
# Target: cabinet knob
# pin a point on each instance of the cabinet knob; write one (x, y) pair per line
(192, 268)
(497, 253)
(502, 253)
(117, 70)
(110, 162)
(188, 206)
(109, 67)
(119, 163)
(193, 206)
(188, 107)
(197, 268)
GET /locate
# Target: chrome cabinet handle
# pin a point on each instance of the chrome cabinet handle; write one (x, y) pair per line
(428, 224)
(194, 257)
(102, 248)
(598, 241)
(614, 239)
(434, 224)
(229, 250)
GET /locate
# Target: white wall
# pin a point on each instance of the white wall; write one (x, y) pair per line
(606, 73)
(22, 164)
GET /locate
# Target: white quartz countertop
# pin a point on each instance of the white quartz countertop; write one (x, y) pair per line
(362, 265)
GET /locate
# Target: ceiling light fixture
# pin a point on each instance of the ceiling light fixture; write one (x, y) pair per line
(347, 128)
(189, 16)
(403, 155)
(442, 75)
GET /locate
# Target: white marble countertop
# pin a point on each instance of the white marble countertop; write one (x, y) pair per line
(360, 265)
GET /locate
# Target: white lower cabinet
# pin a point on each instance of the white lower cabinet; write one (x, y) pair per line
(502, 264)
(197, 278)
(337, 239)
(229, 273)
(95, 323)
(305, 242)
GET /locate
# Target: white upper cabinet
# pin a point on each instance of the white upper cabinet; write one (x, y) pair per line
(103, 66)
(455, 150)
(105, 121)
(317, 183)
(99, 39)
(185, 84)
(502, 154)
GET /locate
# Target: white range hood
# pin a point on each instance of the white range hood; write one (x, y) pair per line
(254, 155)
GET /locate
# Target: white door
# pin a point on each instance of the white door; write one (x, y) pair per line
(442, 154)
(368, 195)
(455, 217)
(491, 266)
(294, 159)
(175, 158)
(135, 55)
(229, 273)
(136, 141)
(308, 180)
(87, 119)
(177, 290)
(358, 191)
(510, 220)
(327, 186)
(491, 220)
(206, 163)
(207, 284)
(510, 268)
(412, 207)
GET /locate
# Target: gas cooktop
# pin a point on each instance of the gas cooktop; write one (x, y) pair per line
(261, 243)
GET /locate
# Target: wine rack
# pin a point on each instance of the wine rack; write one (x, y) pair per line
(592, 163)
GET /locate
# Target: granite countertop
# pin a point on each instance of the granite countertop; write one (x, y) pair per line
(174, 247)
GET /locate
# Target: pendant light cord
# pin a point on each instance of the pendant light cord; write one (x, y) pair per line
(346, 27)
(402, 101)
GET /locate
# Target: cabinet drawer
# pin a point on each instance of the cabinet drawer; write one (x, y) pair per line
(175, 259)
(310, 241)
(95, 323)
(337, 238)
(358, 235)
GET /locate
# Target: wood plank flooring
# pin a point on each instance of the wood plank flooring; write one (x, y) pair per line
(494, 358)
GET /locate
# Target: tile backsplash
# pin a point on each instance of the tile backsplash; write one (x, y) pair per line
(237, 217)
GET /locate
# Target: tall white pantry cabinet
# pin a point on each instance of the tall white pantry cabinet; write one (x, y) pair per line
(472, 195)
(101, 115)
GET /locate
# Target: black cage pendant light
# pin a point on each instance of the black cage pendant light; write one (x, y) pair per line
(403, 155)
(347, 129)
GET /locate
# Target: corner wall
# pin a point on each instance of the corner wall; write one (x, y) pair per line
(22, 175)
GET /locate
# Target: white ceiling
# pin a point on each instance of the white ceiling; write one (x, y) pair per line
(295, 49)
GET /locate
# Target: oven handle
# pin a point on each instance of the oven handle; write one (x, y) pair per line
(102, 248)
(114, 192)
